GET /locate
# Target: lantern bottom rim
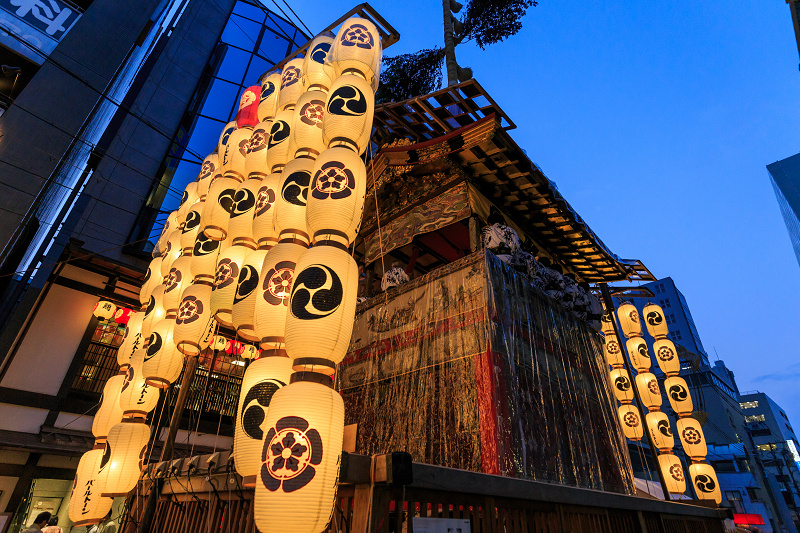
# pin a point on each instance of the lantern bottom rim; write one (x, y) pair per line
(159, 383)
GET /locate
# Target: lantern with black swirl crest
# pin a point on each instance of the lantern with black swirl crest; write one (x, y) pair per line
(204, 257)
(256, 159)
(218, 208)
(191, 227)
(672, 473)
(660, 432)
(348, 114)
(290, 207)
(110, 412)
(194, 315)
(654, 321)
(692, 438)
(154, 312)
(152, 278)
(125, 447)
(706, 484)
(306, 139)
(187, 201)
(270, 88)
(262, 379)
(278, 142)
(208, 170)
(638, 353)
(630, 420)
(170, 225)
(171, 252)
(86, 504)
(229, 267)
(162, 362)
(291, 84)
(318, 74)
(357, 48)
(240, 226)
(264, 231)
(678, 394)
(621, 385)
(244, 300)
(224, 137)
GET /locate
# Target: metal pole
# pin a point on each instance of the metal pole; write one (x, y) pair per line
(612, 311)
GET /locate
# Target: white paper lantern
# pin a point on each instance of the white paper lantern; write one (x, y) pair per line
(110, 412)
(191, 227)
(278, 144)
(188, 200)
(629, 320)
(104, 310)
(706, 484)
(306, 139)
(229, 266)
(255, 163)
(336, 196)
(667, 356)
(647, 385)
(218, 207)
(358, 49)
(244, 300)
(318, 73)
(124, 455)
(672, 471)
(208, 170)
(152, 277)
(154, 312)
(162, 362)
(660, 431)
(274, 290)
(654, 321)
(240, 226)
(132, 340)
(178, 278)
(296, 485)
(86, 504)
(171, 252)
(170, 225)
(613, 351)
(322, 308)
(264, 231)
(631, 421)
(268, 103)
(250, 352)
(692, 438)
(224, 137)
(234, 157)
(262, 379)
(137, 398)
(204, 257)
(291, 84)
(638, 353)
(621, 385)
(607, 324)
(290, 207)
(678, 394)
(348, 114)
(194, 314)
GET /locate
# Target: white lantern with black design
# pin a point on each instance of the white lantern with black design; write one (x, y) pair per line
(296, 485)
(188, 199)
(613, 351)
(137, 398)
(218, 207)
(290, 207)
(234, 157)
(322, 308)
(291, 84)
(706, 484)
(631, 421)
(654, 321)
(678, 394)
(268, 102)
(104, 310)
(336, 196)
(672, 472)
(256, 159)
(110, 412)
(263, 378)
(178, 278)
(306, 139)
(154, 312)
(123, 457)
(621, 385)
(132, 340)
(172, 251)
(279, 141)
(162, 362)
(152, 278)
(264, 231)
(607, 324)
(204, 257)
(224, 138)
(194, 315)
(358, 49)
(244, 300)
(667, 356)
(170, 225)
(240, 226)
(348, 114)
(191, 227)
(86, 504)
(647, 385)
(692, 438)
(638, 354)
(318, 73)
(660, 431)
(274, 290)
(629, 320)
(222, 293)
(208, 170)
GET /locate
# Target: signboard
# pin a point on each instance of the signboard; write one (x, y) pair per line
(440, 525)
(33, 28)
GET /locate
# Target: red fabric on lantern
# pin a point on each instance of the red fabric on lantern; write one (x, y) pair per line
(248, 107)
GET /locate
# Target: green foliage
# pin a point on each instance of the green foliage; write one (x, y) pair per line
(409, 75)
(492, 21)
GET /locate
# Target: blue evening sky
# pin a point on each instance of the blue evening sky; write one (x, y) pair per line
(657, 121)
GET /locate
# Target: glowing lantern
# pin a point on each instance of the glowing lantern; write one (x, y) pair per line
(132, 340)
(678, 394)
(322, 308)
(629, 320)
(638, 353)
(86, 504)
(631, 421)
(621, 385)
(348, 114)
(261, 380)
(647, 384)
(233, 347)
(613, 351)
(188, 199)
(192, 227)
(672, 472)
(234, 158)
(660, 431)
(123, 457)
(104, 310)
(110, 412)
(218, 207)
(250, 352)
(170, 225)
(290, 207)
(224, 289)
(178, 279)
(154, 312)
(306, 139)
(706, 484)
(655, 322)
(607, 324)
(244, 300)
(278, 144)
(171, 252)
(152, 278)
(194, 314)
(255, 163)
(275, 287)
(123, 315)
(162, 362)
(296, 485)
(358, 49)
(137, 398)
(317, 72)
(204, 257)
(336, 196)
(667, 357)
(208, 170)
(222, 144)
(291, 84)
(692, 438)
(264, 217)
(268, 103)
(240, 226)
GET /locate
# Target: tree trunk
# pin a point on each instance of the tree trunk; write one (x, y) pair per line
(449, 45)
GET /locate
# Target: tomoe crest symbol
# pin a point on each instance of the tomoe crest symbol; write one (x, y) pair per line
(654, 318)
(278, 133)
(248, 282)
(320, 52)
(678, 393)
(663, 428)
(622, 384)
(243, 202)
(317, 293)
(266, 90)
(257, 399)
(347, 100)
(295, 188)
(704, 483)
(154, 343)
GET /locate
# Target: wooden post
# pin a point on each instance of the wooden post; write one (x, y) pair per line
(474, 234)
(449, 45)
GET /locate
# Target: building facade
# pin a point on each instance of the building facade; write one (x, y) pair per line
(785, 178)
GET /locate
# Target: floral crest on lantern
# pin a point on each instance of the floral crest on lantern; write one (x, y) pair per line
(358, 35)
(290, 76)
(334, 180)
(676, 471)
(347, 100)
(206, 170)
(190, 310)
(257, 141)
(227, 272)
(243, 145)
(691, 435)
(317, 293)
(312, 113)
(665, 353)
(266, 198)
(653, 386)
(631, 419)
(291, 450)
(173, 279)
(278, 283)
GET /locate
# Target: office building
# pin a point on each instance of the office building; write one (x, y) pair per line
(785, 178)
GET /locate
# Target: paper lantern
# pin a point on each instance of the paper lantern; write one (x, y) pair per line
(631, 421)
(318, 73)
(229, 266)
(194, 314)
(247, 115)
(692, 438)
(218, 207)
(650, 394)
(255, 162)
(290, 207)
(131, 340)
(170, 225)
(274, 290)
(204, 257)
(621, 385)
(154, 312)
(638, 354)
(264, 231)
(291, 84)
(629, 320)
(613, 351)
(607, 324)
(240, 226)
(171, 252)
(244, 300)
(297, 482)
(137, 398)
(224, 137)
(660, 431)
(191, 227)
(234, 158)
(178, 278)
(348, 114)
(104, 310)
(261, 380)
(306, 139)
(358, 49)
(678, 394)
(654, 321)
(268, 103)
(250, 352)
(233, 347)
(672, 472)
(122, 315)
(123, 457)
(322, 308)
(189, 198)
(86, 504)
(208, 170)
(152, 277)
(706, 484)
(110, 412)
(667, 357)
(162, 362)
(278, 144)
(336, 196)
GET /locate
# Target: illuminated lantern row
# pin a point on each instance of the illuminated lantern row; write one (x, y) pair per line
(630, 418)
(110, 412)
(123, 457)
(131, 340)
(87, 505)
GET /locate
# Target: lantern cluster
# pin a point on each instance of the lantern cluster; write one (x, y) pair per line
(630, 418)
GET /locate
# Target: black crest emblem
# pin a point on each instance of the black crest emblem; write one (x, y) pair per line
(320, 52)
(189, 311)
(317, 293)
(227, 135)
(622, 384)
(278, 133)
(663, 428)
(705, 483)
(243, 202)
(676, 471)
(227, 199)
(290, 76)
(184, 198)
(266, 198)
(312, 113)
(257, 399)
(691, 435)
(154, 344)
(205, 245)
(333, 180)
(226, 274)
(192, 221)
(654, 318)
(173, 279)
(295, 188)
(106, 456)
(248, 282)
(266, 90)
(357, 35)
(258, 141)
(678, 393)
(291, 451)
(151, 305)
(347, 100)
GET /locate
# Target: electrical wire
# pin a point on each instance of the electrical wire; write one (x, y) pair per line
(296, 16)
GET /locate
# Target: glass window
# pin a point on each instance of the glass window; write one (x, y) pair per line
(249, 11)
(241, 32)
(233, 65)
(221, 97)
(205, 137)
(754, 418)
(754, 493)
(665, 303)
(257, 67)
(749, 405)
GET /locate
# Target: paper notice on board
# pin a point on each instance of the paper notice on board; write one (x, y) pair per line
(441, 525)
